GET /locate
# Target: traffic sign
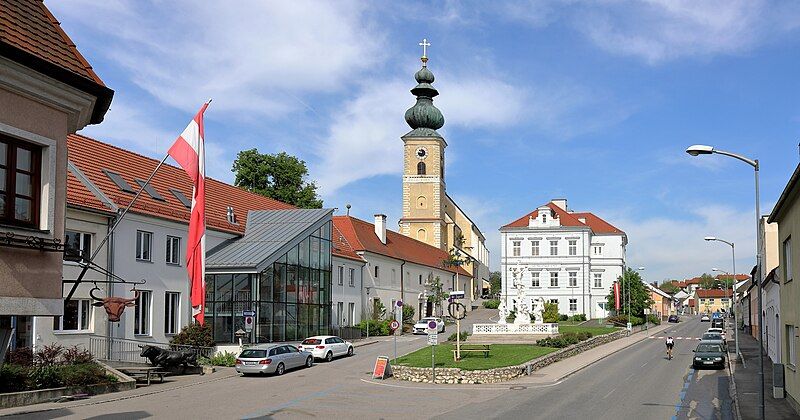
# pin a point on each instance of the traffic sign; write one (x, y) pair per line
(433, 339)
(458, 294)
(248, 313)
(433, 327)
(248, 323)
(399, 303)
(629, 326)
(394, 325)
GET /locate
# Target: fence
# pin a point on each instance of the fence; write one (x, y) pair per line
(128, 350)
(347, 333)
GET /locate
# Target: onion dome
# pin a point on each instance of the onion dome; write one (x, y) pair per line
(424, 118)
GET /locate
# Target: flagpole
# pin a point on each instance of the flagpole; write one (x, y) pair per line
(117, 222)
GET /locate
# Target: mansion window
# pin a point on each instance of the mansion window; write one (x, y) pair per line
(554, 301)
(77, 245)
(573, 279)
(144, 245)
(20, 174)
(535, 279)
(515, 248)
(598, 280)
(573, 305)
(141, 319)
(554, 279)
(340, 275)
(377, 272)
(787, 259)
(351, 273)
(421, 168)
(553, 247)
(597, 249)
(573, 247)
(171, 312)
(534, 248)
(77, 314)
(173, 250)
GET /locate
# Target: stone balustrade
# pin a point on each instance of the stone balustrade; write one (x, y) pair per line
(496, 329)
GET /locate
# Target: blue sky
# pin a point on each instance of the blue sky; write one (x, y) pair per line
(592, 101)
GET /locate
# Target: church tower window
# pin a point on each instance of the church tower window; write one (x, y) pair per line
(422, 235)
(421, 168)
(422, 202)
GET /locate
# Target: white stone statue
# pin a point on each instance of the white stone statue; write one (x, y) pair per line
(503, 312)
(538, 310)
(522, 305)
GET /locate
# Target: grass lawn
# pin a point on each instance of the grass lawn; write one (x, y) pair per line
(501, 355)
(579, 328)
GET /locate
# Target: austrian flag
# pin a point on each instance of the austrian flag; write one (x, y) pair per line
(189, 152)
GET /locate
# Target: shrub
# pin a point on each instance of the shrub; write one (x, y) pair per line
(48, 355)
(564, 340)
(464, 335)
(579, 318)
(376, 327)
(84, 374)
(622, 320)
(378, 309)
(654, 319)
(491, 303)
(14, 378)
(194, 334)
(22, 356)
(408, 314)
(550, 312)
(220, 359)
(75, 356)
(563, 317)
(46, 376)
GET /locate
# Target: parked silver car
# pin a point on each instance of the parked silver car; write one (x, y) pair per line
(272, 358)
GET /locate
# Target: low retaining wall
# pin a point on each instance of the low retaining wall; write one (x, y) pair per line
(460, 376)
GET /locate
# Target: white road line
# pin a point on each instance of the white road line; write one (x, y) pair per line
(609, 393)
(644, 365)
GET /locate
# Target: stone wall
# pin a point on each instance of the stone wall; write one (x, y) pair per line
(460, 376)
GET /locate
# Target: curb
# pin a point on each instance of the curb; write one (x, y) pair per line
(732, 388)
(357, 345)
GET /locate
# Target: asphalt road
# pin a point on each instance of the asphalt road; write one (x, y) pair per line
(634, 383)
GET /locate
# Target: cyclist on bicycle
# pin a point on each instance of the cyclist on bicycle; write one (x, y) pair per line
(670, 344)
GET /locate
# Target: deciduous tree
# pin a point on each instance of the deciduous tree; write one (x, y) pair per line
(279, 176)
(640, 298)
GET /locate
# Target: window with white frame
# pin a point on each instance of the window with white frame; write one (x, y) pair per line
(77, 316)
(534, 248)
(597, 249)
(515, 248)
(573, 305)
(340, 312)
(351, 277)
(77, 245)
(554, 301)
(535, 279)
(171, 312)
(352, 312)
(554, 247)
(544, 217)
(598, 280)
(144, 245)
(340, 273)
(787, 260)
(573, 247)
(141, 319)
(554, 279)
(791, 345)
(377, 272)
(573, 279)
(173, 250)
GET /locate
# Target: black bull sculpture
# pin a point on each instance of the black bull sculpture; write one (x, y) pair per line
(168, 358)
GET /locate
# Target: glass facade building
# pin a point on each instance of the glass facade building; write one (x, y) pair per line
(291, 297)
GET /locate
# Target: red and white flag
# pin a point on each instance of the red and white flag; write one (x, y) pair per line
(189, 152)
(616, 296)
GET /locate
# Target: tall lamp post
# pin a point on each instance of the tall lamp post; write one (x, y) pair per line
(733, 286)
(639, 269)
(700, 149)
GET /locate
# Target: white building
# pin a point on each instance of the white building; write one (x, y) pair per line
(569, 258)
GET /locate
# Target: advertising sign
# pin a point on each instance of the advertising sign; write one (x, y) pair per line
(382, 369)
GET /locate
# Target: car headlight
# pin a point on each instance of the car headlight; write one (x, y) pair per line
(718, 359)
(698, 358)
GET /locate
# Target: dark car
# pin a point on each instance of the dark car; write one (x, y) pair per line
(673, 318)
(717, 323)
(709, 355)
(714, 338)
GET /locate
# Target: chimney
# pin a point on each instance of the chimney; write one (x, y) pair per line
(380, 227)
(560, 202)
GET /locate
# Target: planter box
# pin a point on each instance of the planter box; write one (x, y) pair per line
(17, 399)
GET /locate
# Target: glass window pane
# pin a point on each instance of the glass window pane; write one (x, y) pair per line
(3, 154)
(265, 284)
(24, 159)
(71, 315)
(325, 255)
(23, 209)
(85, 314)
(223, 323)
(279, 284)
(278, 322)
(326, 232)
(2, 178)
(2, 204)
(24, 184)
(223, 289)
(291, 283)
(291, 323)
(302, 322)
(210, 287)
(242, 286)
(264, 325)
(314, 286)
(291, 256)
(304, 250)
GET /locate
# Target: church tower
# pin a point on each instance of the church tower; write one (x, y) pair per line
(424, 195)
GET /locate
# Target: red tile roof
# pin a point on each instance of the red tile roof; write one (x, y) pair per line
(713, 293)
(739, 277)
(361, 236)
(80, 196)
(341, 247)
(596, 224)
(28, 26)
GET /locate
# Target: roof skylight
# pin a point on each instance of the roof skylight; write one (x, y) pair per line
(150, 190)
(119, 181)
(182, 198)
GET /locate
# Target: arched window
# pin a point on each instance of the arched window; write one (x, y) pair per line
(422, 202)
(422, 235)
(421, 168)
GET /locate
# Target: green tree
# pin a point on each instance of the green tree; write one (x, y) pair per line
(640, 298)
(550, 312)
(279, 176)
(408, 314)
(495, 283)
(437, 293)
(670, 287)
(707, 281)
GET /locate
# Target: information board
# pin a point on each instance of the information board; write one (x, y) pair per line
(382, 369)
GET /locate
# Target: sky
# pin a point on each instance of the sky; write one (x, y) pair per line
(595, 102)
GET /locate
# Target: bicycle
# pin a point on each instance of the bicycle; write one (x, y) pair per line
(669, 353)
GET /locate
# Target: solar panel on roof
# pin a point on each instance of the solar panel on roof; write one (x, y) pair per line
(119, 181)
(150, 190)
(182, 198)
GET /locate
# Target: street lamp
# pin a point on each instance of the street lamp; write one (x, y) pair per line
(700, 149)
(733, 287)
(629, 300)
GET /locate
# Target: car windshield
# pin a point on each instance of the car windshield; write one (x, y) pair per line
(311, 341)
(709, 348)
(253, 354)
(712, 336)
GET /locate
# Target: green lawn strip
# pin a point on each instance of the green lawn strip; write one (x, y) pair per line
(579, 328)
(501, 355)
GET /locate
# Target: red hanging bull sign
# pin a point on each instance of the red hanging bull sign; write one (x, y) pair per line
(616, 296)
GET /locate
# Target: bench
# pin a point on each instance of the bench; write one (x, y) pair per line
(474, 348)
(144, 373)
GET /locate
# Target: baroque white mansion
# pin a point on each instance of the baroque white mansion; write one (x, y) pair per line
(567, 257)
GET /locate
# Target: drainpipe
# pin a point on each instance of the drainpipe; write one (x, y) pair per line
(110, 286)
(402, 293)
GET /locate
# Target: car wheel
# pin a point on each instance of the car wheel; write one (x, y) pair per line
(280, 369)
(309, 362)
(245, 374)
(329, 356)
(349, 351)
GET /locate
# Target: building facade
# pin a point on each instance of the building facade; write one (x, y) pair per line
(430, 215)
(566, 257)
(47, 90)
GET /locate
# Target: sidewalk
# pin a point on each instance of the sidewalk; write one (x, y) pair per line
(747, 383)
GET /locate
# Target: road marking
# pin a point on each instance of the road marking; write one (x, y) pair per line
(464, 386)
(609, 393)
(644, 364)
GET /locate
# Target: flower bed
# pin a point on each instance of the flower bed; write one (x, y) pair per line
(52, 366)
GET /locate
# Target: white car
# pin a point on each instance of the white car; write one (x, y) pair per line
(705, 318)
(421, 327)
(326, 347)
(719, 331)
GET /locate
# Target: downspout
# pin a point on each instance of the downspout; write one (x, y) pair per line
(110, 269)
(402, 294)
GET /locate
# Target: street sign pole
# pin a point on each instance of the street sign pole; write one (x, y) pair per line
(395, 349)
(433, 364)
